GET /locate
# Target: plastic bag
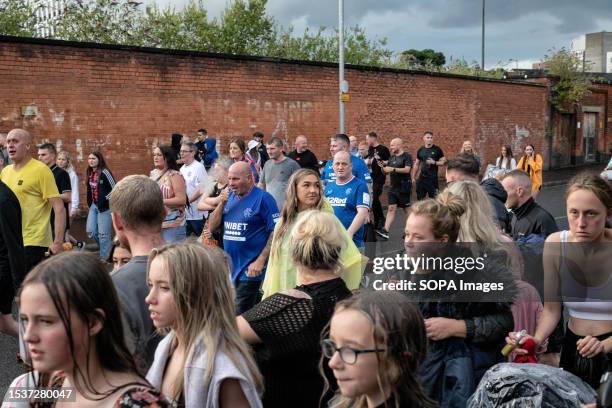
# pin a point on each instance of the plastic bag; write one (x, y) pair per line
(510, 385)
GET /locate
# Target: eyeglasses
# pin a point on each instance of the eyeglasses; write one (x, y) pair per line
(347, 354)
(186, 151)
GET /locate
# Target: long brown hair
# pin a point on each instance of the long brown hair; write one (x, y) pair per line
(78, 283)
(290, 209)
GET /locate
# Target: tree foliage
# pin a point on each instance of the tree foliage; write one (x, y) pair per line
(244, 27)
(424, 57)
(17, 18)
(101, 21)
(571, 82)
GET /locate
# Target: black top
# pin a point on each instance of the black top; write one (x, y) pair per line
(429, 171)
(263, 154)
(400, 182)
(306, 159)
(62, 180)
(383, 154)
(201, 151)
(531, 218)
(12, 258)
(290, 329)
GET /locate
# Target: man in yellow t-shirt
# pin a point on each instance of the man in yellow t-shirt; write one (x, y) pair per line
(35, 188)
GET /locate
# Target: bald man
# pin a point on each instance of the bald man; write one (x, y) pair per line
(305, 158)
(528, 216)
(349, 197)
(247, 215)
(398, 167)
(33, 184)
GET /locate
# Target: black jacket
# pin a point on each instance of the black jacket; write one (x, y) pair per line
(12, 257)
(530, 218)
(106, 183)
(498, 196)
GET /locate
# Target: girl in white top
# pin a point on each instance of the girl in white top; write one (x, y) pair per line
(202, 362)
(576, 265)
(64, 161)
(506, 161)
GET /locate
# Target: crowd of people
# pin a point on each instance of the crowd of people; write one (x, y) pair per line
(268, 303)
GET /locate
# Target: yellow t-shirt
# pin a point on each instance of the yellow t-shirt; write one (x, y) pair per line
(33, 184)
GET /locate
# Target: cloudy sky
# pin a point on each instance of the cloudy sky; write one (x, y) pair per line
(516, 30)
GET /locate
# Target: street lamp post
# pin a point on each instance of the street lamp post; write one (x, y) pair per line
(482, 59)
(341, 61)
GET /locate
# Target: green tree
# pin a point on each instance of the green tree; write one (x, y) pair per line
(245, 28)
(17, 18)
(188, 29)
(571, 82)
(322, 45)
(102, 21)
(423, 57)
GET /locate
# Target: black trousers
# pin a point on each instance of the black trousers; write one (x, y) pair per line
(33, 256)
(379, 216)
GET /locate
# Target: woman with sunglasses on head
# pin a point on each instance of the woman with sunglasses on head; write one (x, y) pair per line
(172, 184)
(285, 329)
(72, 327)
(377, 342)
(305, 193)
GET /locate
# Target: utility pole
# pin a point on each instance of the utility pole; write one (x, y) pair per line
(341, 61)
(482, 59)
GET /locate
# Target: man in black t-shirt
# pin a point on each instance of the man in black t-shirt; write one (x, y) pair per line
(377, 152)
(47, 154)
(398, 167)
(200, 145)
(305, 158)
(425, 170)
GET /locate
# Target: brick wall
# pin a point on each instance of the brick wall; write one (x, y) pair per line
(123, 100)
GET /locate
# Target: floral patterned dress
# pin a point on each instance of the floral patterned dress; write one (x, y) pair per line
(137, 396)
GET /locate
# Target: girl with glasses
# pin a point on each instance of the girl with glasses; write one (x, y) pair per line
(377, 342)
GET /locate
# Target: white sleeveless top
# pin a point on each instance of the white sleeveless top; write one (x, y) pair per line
(594, 302)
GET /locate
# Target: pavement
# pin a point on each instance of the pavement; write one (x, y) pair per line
(550, 198)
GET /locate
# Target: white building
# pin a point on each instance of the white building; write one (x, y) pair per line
(47, 13)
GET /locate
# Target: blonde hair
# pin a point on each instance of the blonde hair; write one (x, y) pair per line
(68, 158)
(290, 211)
(204, 299)
(316, 242)
(444, 212)
(477, 221)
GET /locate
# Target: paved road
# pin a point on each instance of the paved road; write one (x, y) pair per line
(551, 198)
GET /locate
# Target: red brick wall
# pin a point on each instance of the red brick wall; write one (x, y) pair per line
(124, 100)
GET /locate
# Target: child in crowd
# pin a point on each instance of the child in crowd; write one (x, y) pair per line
(202, 361)
(377, 342)
(119, 255)
(72, 327)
